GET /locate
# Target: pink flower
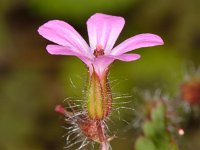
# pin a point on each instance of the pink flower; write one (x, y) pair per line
(103, 31)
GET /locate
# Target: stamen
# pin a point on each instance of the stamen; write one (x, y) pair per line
(99, 51)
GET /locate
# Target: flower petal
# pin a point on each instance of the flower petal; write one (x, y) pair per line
(61, 50)
(127, 57)
(138, 41)
(103, 30)
(101, 64)
(64, 34)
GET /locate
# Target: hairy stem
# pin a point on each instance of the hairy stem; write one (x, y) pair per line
(105, 145)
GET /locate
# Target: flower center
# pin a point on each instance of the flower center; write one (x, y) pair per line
(99, 51)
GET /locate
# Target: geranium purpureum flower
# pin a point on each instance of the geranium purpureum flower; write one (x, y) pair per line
(103, 31)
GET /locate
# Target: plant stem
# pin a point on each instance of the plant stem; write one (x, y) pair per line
(105, 145)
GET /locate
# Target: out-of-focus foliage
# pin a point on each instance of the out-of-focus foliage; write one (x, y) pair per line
(79, 10)
(156, 136)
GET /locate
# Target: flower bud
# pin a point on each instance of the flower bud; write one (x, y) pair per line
(190, 91)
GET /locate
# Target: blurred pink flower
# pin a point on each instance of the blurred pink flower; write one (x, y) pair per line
(103, 31)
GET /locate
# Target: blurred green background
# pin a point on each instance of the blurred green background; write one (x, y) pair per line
(32, 82)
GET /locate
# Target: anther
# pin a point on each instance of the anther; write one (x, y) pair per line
(99, 51)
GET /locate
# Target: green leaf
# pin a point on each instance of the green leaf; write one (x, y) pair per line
(144, 143)
(149, 129)
(158, 117)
